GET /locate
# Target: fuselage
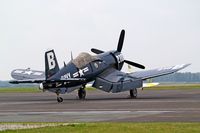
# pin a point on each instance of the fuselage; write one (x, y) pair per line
(87, 67)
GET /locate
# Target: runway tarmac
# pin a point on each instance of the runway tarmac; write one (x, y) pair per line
(151, 105)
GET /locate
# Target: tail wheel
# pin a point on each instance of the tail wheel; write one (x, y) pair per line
(81, 93)
(59, 99)
(133, 93)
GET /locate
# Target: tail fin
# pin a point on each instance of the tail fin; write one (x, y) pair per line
(51, 64)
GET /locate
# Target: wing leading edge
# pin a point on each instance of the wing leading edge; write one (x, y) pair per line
(158, 72)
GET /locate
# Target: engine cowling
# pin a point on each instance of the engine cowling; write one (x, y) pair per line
(119, 60)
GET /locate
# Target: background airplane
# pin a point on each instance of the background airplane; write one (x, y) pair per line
(102, 68)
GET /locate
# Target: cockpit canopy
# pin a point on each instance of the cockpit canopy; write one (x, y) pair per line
(83, 59)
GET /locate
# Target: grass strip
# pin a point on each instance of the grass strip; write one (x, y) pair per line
(154, 127)
(20, 90)
(175, 87)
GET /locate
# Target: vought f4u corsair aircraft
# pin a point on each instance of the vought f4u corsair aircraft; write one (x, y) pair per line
(102, 69)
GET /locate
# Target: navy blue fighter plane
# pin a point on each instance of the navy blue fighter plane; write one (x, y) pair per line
(102, 69)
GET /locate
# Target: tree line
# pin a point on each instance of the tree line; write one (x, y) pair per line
(179, 77)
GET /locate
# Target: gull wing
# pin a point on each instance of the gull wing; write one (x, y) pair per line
(158, 72)
(113, 80)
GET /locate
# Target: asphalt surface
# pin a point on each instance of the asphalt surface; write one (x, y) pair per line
(151, 105)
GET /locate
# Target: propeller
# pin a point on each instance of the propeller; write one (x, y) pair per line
(119, 49)
(72, 56)
(121, 41)
(134, 64)
(97, 51)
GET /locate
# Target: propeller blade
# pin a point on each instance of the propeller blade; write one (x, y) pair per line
(134, 64)
(97, 51)
(72, 56)
(121, 41)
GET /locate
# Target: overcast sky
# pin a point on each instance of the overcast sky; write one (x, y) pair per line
(158, 33)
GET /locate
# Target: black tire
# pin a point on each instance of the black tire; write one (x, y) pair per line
(59, 99)
(81, 94)
(133, 93)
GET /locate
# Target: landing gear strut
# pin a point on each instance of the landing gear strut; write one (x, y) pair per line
(81, 93)
(133, 93)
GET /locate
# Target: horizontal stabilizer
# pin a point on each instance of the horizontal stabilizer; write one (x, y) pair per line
(22, 74)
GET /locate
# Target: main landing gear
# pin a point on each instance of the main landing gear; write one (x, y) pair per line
(82, 93)
(133, 93)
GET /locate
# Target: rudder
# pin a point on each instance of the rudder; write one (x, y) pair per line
(51, 64)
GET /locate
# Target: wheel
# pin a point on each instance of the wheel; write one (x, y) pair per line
(133, 93)
(59, 99)
(81, 93)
